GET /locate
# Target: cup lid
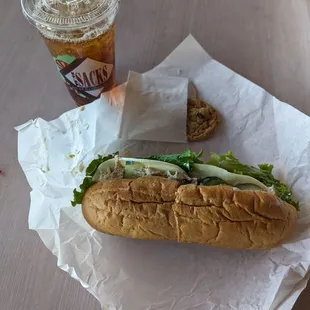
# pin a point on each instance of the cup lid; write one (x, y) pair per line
(68, 14)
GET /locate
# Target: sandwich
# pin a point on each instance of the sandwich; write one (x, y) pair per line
(221, 202)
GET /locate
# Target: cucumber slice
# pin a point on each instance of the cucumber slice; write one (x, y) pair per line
(249, 187)
(136, 167)
(203, 171)
(211, 181)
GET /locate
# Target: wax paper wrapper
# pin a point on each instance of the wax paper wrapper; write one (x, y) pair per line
(127, 274)
(155, 108)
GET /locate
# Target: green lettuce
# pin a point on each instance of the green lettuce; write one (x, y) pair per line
(88, 180)
(184, 160)
(263, 174)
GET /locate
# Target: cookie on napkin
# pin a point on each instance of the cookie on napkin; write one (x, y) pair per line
(202, 120)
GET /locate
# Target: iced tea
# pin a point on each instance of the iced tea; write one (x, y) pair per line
(81, 39)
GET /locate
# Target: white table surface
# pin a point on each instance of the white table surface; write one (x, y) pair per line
(266, 41)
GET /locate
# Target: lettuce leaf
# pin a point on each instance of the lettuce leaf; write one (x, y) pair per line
(263, 174)
(88, 181)
(184, 160)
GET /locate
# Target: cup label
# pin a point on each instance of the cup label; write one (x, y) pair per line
(85, 75)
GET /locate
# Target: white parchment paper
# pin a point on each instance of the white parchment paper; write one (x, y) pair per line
(126, 274)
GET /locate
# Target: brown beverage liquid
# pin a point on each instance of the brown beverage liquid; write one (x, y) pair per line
(86, 66)
(80, 35)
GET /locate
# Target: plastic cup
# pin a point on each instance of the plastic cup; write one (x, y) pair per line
(80, 35)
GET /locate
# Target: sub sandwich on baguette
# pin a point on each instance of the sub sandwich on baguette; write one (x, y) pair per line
(222, 203)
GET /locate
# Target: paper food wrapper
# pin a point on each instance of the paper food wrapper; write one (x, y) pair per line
(155, 108)
(137, 275)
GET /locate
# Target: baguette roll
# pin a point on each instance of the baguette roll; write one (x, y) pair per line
(157, 208)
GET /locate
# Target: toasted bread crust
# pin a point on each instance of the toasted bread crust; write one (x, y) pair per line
(156, 208)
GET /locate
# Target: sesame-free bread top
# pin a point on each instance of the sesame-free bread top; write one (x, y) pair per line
(156, 208)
